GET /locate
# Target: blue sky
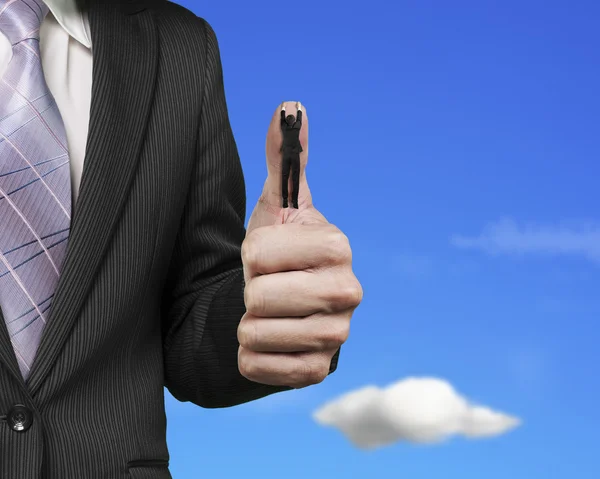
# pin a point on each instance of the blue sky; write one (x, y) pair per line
(463, 145)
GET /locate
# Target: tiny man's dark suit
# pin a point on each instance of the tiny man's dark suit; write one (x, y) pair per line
(291, 149)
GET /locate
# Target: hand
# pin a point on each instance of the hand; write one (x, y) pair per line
(300, 289)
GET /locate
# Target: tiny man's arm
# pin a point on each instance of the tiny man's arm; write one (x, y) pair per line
(283, 125)
(298, 126)
(203, 299)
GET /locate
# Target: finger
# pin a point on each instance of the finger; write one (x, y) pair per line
(317, 332)
(294, 247)
(301, 293)
(284, 369)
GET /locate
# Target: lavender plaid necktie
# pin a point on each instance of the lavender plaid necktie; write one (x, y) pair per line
(35, 184)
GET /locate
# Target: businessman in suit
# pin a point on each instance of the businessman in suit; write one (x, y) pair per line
(125, 264)
(290, 153)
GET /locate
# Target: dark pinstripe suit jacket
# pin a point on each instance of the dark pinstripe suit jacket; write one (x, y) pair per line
(152, 287)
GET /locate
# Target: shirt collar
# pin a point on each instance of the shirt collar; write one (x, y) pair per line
(73, 21)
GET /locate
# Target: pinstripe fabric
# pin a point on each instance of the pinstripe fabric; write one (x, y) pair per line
(35, 184)
(152, 288)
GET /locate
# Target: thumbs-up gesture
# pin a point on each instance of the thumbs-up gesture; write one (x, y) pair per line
(300, 290)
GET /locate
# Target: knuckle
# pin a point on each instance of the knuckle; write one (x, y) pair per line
(318, 374)
(247, 334)
(247, 368)
(347, 295)
(310, 372)
(250, 250)
(334, 335)
(253, 299)
(339, 247)
(355, 293)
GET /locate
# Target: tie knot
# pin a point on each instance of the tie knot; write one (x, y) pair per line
(21, 19)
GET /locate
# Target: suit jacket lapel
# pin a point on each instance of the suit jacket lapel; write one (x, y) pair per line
(7, 354)
(125, 58)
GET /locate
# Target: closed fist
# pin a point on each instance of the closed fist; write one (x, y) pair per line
(300, 290)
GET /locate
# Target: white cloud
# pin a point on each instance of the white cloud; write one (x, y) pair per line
(417, 410)
(505, 236)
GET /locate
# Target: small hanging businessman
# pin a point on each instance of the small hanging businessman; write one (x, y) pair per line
(290, 153)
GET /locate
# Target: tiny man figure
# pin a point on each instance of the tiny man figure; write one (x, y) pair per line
(291, 149)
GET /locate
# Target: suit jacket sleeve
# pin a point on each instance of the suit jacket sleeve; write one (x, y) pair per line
(203, 301)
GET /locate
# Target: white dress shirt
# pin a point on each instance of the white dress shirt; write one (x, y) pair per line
(66, 48)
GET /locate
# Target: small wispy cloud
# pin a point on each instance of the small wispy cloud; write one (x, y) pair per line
(507, 237)
(416, 410)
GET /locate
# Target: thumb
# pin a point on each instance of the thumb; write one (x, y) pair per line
(274, 154)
